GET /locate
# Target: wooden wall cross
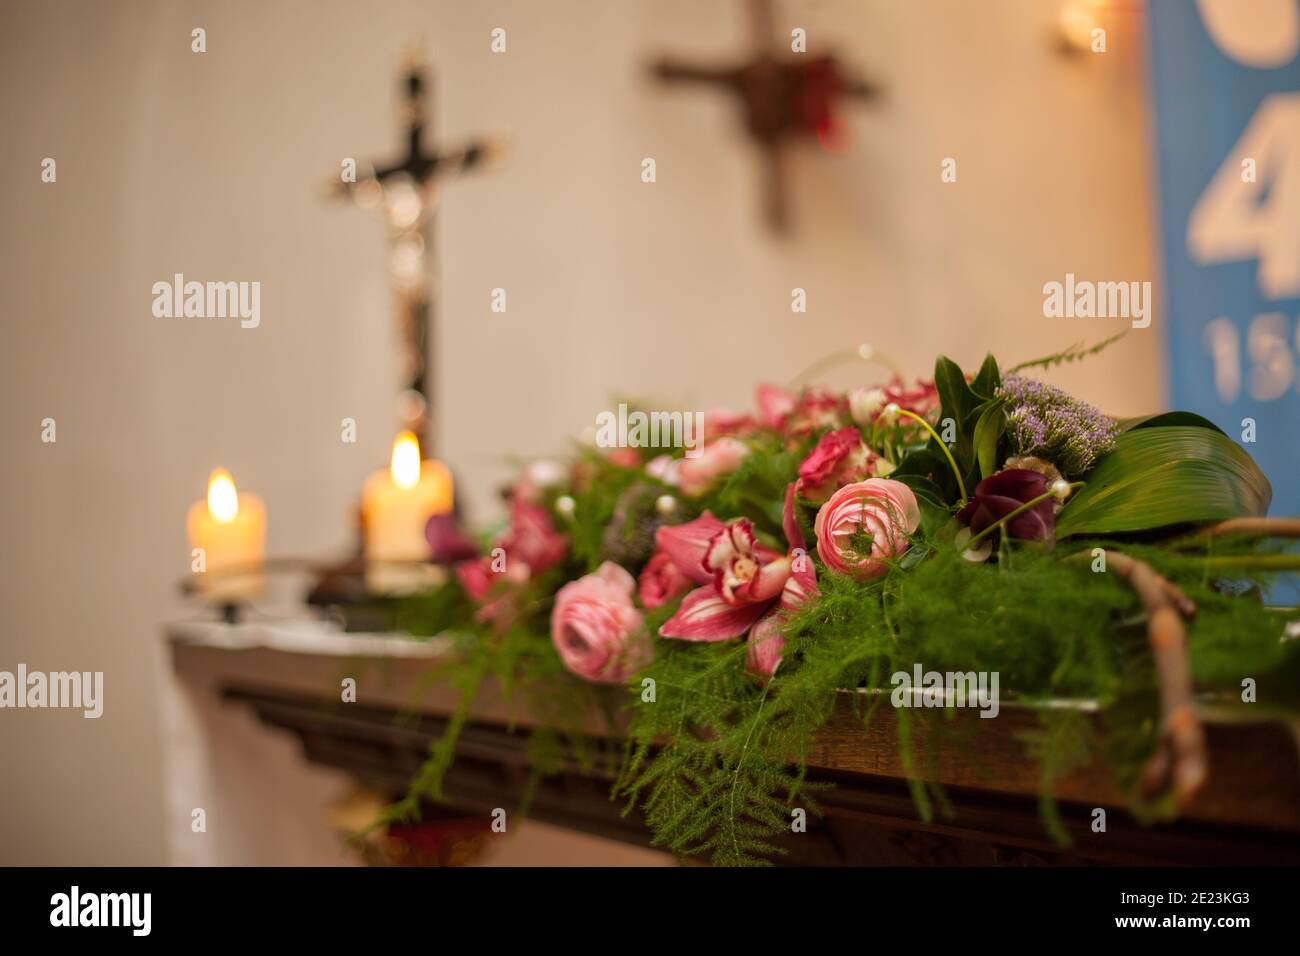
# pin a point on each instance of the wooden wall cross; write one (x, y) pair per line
(784, 96)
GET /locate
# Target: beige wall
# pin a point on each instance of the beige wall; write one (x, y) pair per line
(211, 165)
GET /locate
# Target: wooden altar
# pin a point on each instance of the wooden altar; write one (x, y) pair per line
(290, 678)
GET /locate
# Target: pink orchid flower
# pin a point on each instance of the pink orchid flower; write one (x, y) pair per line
(743, 584)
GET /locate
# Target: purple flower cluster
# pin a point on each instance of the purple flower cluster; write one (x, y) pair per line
(1045, 421)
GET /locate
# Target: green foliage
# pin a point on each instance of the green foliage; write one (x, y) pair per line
(721, 785)
(989, 429)
(717, 761)
(1072, 353)
(594, 508)
(717, 758)
(524, 667)
(757, 488)
(1166, 475)
(443, 609)
(977, 411)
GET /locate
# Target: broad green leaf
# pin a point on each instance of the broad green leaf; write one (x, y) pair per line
(955, 394)
(930, 464)
(988, 433)
(1162, 419)
(923, 488)
(1166, 475)
(987, 379)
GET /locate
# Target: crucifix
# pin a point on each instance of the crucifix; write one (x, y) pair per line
(406, 190)
(783, 96)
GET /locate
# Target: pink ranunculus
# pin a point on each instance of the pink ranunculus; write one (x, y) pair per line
(532, 537)
(661, 581)
(865, 524)
(840, 457)
(718, 459)
(598, 632)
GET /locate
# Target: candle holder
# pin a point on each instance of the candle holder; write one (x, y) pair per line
(339, 589)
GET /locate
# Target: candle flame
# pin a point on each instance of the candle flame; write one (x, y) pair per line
(405, 466)
(223, 499)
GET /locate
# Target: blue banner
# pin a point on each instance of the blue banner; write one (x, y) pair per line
(1226, 91)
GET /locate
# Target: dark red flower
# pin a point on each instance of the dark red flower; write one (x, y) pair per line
(999, 495)
(447, 543)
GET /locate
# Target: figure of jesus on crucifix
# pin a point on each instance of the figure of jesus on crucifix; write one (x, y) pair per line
(407, 191)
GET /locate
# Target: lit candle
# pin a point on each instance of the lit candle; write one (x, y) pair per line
(230, 528)
(396, 504)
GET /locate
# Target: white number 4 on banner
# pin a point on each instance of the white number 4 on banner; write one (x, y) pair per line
(1255, 217)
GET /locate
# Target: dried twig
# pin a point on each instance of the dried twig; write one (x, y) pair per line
(1179, 759)
(1253, 527)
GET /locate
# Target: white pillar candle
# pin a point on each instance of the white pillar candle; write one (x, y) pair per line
(396, 504)
(230, 528)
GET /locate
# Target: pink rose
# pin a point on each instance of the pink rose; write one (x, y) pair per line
(718, 459)
(482, 582)
(840, 457)
(865, 524)
(774, 404)
(865, 404)
(474, 577)
(816, 409)
(530, 546)
(922, 398)
(723, 421)
(624, 458)
(536, 478)
(597, 631)
(666, 468)
(661, 581)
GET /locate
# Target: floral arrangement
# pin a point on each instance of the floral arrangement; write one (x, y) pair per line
(712, 609)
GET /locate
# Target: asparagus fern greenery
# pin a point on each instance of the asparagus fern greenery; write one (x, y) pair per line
(830, 541)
